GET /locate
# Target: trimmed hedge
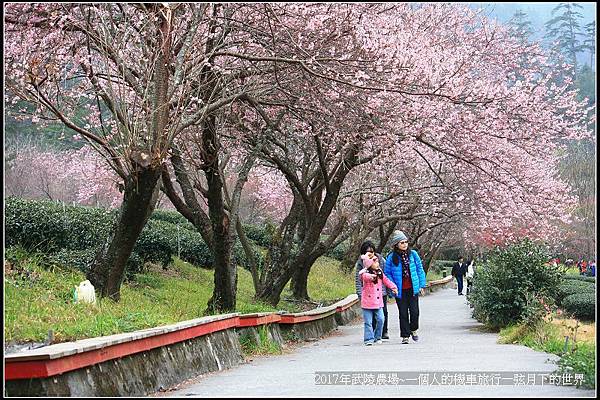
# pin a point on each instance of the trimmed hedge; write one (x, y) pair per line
(572, 286)
(580, 278)
(49, 226)
(72, 235)
(172, 217)
(82, 260)
(338, 252)
(261, 235)
(580, 305)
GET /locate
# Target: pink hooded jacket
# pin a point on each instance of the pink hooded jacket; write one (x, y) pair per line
(372, 297)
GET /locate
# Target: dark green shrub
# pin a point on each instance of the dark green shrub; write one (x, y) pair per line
(49, 226)
(83, 259)
(73, 234)
(580, 278)
(193, 249)
(580, 305)
(509, 281)
(572, 286)
(258, 234)
(157, 242)
(78, 259)
(135, 265)
(172, 217)
(338, 252)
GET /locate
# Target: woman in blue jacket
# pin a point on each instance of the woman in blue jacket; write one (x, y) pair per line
(403, 267)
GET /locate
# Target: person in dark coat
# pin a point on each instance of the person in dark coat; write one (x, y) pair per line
(459, 270)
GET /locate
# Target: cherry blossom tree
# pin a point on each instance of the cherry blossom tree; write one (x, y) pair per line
(318, 92)
(73, 176)
(124, 77)
(440, 81)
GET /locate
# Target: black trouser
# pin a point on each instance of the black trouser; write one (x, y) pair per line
(469, 285)
(459, 279)
(408, 308)
(385, 315)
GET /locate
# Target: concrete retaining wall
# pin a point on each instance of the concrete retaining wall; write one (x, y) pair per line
(252, 333)
(140, 373)
(348, 315)
(309, 329)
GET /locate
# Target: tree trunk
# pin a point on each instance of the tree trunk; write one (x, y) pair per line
(224, 294)
(278, 274)
(300, 283)
(271, 293)
(385, 232)
(139, 198)
(252, 262)
(353, 252)
(225, 279)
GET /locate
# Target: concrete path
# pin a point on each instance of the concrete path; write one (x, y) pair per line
(461, 360)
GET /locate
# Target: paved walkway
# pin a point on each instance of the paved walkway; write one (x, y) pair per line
(448, 344)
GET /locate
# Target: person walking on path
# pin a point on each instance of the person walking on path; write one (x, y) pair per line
(365, 248)
(470, 274)
(372, 301)
(581, 266)
(591, 268)
(404, 267)
(459, 270)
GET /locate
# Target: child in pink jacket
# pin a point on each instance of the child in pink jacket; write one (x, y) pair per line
(372, 297)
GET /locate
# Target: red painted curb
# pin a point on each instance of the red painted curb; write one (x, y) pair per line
(291, 319)
(28, 369)
(47, 368)
(346, 306)
(255, 321)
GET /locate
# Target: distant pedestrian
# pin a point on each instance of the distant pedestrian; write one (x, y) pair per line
(583, 267)
(369, 247)
(459, 270)
(372, 298)
(405, 269)
(470, 275)
(591, 268)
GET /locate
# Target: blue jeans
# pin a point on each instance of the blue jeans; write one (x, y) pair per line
(459, 280)
(368, 315)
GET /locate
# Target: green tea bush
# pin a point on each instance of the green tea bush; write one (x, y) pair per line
(78, 259)
(572, 286)
(156, 242)
(72, 235)
(50, 226)
(172, 217)
(580, 305)
(261, 235)
(509, 281)
(74, 232)
(338, 252)
(580, 278)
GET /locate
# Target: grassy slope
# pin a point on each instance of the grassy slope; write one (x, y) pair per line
(43, 300)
